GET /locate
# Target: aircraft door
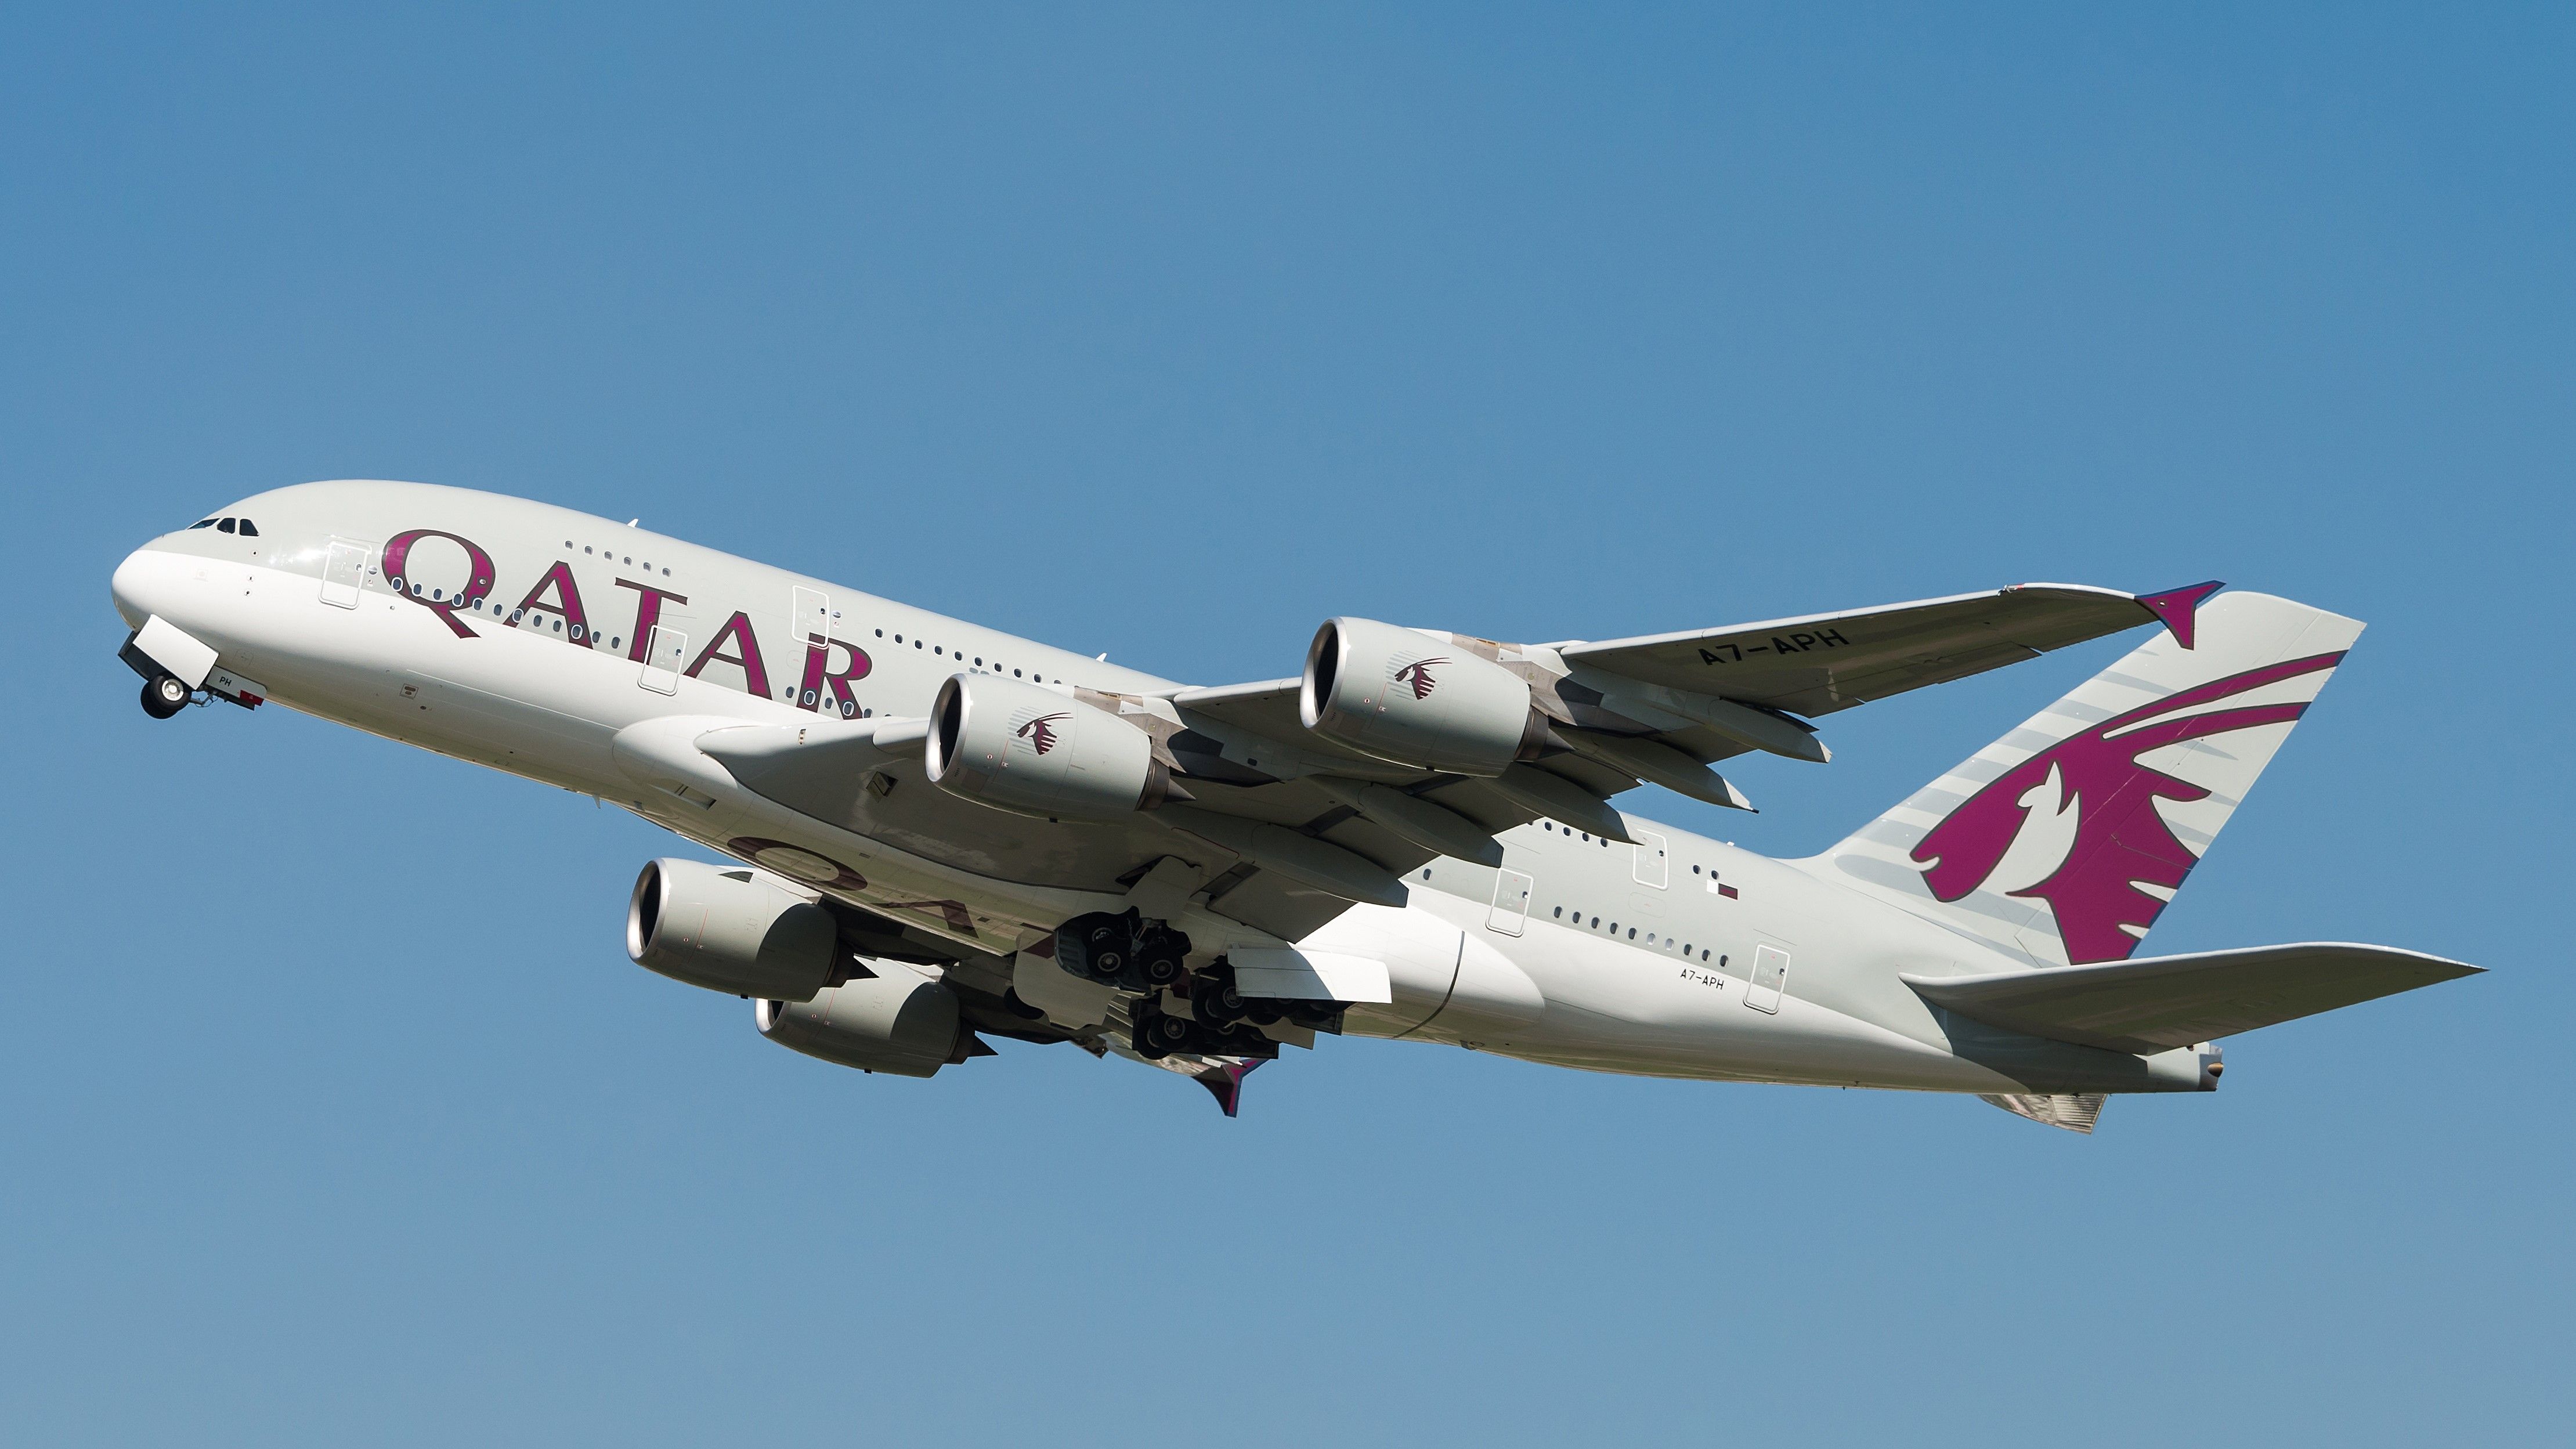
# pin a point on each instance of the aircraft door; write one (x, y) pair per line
(1511, 902)
(809, 623)
(344, 572)
(1654, 863)
(809, 615)
(663, 660)
(1770, 978)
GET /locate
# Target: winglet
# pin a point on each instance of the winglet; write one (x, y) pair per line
(2179, 608)
(1225, 1083)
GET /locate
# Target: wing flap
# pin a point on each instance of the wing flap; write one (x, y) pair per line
(2163, 1002)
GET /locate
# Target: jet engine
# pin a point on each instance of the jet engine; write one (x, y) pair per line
(1405, 697)
(1032, 751)
(730, 928)
(896, 1021)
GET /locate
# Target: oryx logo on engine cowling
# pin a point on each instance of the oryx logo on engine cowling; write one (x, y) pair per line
(1040, 731)
(1416, 676)
(2121, 840)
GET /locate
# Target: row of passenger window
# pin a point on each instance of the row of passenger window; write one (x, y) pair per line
(960, 656)
(1727, 891)
(611, 554)
(619, 642)
(1666, 943)
(241, 526)
(939, 649)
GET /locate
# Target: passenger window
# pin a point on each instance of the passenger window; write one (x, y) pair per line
(249, 529)
(224, 527)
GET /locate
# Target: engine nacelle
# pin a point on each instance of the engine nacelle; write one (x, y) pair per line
(1404, 697)
(730, 928)
(1029, 750)
(895, 1021)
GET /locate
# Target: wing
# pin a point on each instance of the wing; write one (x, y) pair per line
(1281, 829)
(1826, 662)
(1288, 828)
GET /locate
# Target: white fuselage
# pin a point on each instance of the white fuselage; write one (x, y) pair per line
(1680, 956)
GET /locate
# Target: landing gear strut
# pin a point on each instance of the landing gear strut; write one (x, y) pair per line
(164, 696)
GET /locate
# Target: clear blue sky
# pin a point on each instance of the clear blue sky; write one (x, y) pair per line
(335, 1114)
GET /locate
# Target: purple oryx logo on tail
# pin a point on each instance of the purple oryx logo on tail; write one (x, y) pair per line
(2121, 838)
(1417, 677)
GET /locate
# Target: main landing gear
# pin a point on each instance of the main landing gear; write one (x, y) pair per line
(164, 696)
(1148, 960)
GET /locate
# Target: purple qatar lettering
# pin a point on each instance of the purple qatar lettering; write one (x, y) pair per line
(2121, 839)
(567, 603)
(648, 612)
(738, 629)
(818, 673)
(397, 562)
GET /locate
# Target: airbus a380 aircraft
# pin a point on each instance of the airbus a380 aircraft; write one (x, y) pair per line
(941, 832)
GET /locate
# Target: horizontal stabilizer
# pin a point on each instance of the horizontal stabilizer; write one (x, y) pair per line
(2163, 1002)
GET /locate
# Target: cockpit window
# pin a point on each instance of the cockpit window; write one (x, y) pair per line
(224, 527)
(203, 523)
(249, 529)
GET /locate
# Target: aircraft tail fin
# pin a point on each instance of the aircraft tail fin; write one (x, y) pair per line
(2061, 842)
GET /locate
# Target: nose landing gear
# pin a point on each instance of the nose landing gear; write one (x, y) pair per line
(164, 696)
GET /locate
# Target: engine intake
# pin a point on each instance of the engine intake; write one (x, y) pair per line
(895, 1021)
(1029, 750)
(1405, 697)
(731, 929)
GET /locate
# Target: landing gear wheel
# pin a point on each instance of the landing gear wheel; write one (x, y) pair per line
(1217, 1002)
(164, 696)
(1161, 954)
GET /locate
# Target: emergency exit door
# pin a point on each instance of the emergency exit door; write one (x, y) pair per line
(1511, 902)
(664, 656)
(809, 620)
(1770, 978)
(810, 615)
(344, 572)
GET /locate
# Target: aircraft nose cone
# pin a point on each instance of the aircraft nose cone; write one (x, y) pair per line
(138, 586)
